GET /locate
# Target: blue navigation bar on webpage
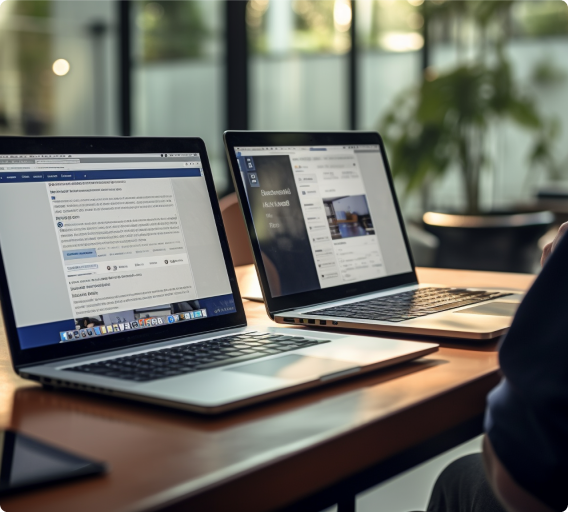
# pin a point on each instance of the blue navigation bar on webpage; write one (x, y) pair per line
(118, 174)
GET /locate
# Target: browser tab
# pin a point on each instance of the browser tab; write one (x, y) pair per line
(53, 176)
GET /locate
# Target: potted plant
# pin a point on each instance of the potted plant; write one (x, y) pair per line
(443, 125)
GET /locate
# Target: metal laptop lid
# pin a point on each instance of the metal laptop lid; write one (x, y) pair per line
(110, 242)
(322, 215)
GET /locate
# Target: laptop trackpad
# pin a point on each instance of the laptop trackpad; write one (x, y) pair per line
(294, 366)
(495, 308)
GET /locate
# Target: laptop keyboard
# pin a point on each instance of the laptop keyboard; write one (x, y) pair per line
(174, 361)
(411, 304)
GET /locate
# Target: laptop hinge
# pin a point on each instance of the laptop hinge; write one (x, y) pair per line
(64, 358)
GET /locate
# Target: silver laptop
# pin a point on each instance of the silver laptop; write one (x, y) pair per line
(330, 245)
(116, 278)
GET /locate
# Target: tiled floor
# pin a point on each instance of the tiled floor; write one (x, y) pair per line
(410, 491)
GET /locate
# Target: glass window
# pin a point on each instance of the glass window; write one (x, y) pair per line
(178, 75)
(298, 65)
(56, 66)
(390, 25)
(25, 108)
(390, 42)
(522, 46)
(540, 19)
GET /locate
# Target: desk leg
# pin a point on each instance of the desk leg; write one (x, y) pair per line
(346, 503)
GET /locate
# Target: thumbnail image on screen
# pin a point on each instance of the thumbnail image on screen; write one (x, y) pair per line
(348, 216)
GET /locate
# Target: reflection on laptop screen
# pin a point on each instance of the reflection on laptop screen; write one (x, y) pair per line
(99, 244)
(324, 216)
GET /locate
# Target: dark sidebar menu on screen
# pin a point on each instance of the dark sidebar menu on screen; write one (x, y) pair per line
(279, 224)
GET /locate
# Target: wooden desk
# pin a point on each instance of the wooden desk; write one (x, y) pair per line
(304, 451)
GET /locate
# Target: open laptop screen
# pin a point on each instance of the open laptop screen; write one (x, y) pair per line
(324, 216)
(98, 245)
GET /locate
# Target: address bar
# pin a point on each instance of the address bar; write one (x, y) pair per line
(57, 161)
(32, 167)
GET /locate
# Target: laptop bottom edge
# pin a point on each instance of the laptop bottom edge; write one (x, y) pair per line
(334, 323)
(63, 384)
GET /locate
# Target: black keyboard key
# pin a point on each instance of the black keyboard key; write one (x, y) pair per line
(234, 353)
(238, 359)
(449, 306)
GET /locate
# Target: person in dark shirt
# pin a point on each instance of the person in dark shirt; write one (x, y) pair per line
(524, 465)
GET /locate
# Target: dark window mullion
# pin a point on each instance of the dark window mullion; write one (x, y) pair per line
(353, 70)
(124, 67)
(236, 66)
(426, 35)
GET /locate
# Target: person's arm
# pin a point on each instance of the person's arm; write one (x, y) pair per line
(549, 248)
(525, 448)
(509, 493)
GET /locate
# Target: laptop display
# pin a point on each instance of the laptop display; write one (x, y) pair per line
(97, 245)
(324, 215)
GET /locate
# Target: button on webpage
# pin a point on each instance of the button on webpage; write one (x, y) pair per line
(253, 179)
